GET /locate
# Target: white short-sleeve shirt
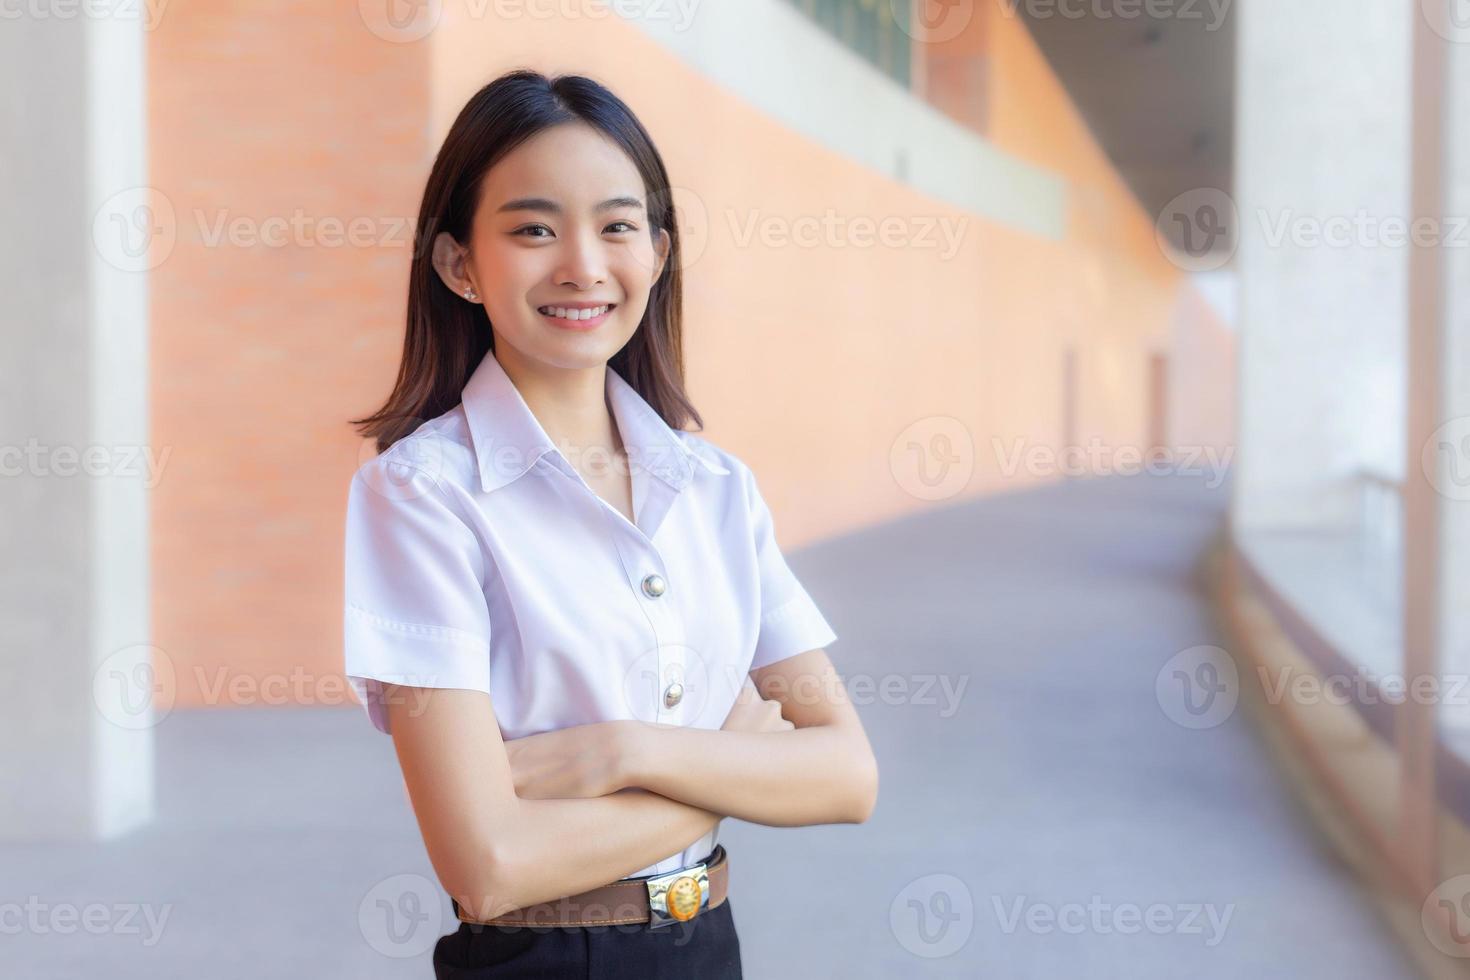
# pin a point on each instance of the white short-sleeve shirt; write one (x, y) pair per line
(477, 557)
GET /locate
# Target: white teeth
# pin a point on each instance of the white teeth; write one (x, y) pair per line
(566, 314)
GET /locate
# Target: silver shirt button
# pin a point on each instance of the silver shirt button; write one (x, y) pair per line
(673, 694)
(653, 586)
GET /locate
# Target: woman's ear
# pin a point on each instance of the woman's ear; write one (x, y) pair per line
(661, 246)
(451, 261)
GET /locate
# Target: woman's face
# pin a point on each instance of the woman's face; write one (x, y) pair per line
(560, 227)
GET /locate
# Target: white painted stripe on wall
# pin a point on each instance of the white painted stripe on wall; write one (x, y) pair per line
(775, 58)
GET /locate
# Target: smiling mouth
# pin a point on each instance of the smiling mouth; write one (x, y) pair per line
(574, 314)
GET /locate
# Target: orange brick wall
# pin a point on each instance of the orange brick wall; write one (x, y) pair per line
(807, 362)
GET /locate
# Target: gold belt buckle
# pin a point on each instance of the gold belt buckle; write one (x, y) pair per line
(677, 896)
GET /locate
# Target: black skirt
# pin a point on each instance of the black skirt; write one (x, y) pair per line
(705, 947)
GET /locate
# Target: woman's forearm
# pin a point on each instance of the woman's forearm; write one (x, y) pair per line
(814, 775)
(553, 848)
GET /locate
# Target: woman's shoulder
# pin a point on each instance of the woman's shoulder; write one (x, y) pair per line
(437, 450)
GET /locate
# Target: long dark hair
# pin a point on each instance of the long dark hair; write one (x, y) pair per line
(446, 337)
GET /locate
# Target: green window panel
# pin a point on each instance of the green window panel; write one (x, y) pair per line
(869, 28)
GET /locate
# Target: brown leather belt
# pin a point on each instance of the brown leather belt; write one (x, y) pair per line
(658, 900)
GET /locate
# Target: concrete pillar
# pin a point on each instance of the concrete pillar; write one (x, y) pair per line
(1436, 586)
(76, 732)
(1321, 187)
(1449, 443)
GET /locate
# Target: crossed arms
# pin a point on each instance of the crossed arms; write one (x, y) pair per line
(510, 824)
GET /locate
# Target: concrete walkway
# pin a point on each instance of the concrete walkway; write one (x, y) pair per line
(1040, 814)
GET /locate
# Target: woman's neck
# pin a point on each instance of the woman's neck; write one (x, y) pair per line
(571, 405)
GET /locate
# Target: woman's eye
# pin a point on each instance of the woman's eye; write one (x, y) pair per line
(529, 231)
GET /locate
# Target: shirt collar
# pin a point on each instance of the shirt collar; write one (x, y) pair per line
(508, 439)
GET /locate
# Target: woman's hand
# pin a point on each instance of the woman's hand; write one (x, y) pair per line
(752, 713)
(588, 761)
(576, 763)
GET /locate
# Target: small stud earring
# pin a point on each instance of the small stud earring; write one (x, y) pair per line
(469, 293)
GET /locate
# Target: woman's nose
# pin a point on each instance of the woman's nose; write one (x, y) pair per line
(584, 263)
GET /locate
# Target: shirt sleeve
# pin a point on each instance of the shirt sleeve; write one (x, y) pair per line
(415, 611)
(790, 621)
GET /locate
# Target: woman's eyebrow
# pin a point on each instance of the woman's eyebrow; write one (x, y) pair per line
(551, 207)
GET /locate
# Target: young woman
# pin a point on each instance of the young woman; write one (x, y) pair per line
(572, 615)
